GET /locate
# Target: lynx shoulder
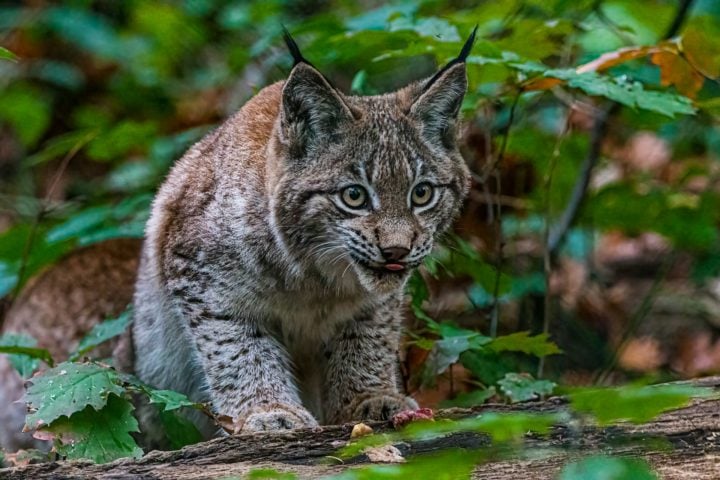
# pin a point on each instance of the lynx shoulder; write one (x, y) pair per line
(277, 250)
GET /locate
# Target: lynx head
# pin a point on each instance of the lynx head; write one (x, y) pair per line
(367, 183)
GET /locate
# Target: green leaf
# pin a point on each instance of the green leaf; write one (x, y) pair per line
(97, 435)
(6, 54)
(487, 366)
(455, 341)
(169, 399)
(20, 354)
(67, 389)
(27, 111)
(433, 27)
(632, 403)
(60, 146)
(15, 240)
(179, 431)
(418, 290)
(89, 31)
(631, 94)
(521, 387)
(377, 18)
(121, 139)
(102, 332)
(537, 345)
(470, 399)
(608, 468)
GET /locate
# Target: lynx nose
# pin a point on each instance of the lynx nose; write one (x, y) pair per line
(394, 254)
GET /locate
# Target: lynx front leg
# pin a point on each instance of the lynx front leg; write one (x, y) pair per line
(249, 377)
(362, 375)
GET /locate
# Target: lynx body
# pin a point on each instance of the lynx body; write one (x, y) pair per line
(277, 251)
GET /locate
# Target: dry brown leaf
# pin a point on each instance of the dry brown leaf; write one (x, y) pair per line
(642, 355)
(675, 70)
(545, 83)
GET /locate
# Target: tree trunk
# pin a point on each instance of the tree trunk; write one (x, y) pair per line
(690, 450)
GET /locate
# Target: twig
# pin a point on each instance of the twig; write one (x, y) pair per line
(44, 210)
(547, 259)
(640, 314)
(494, 169)
(559, 230)
(679, 19)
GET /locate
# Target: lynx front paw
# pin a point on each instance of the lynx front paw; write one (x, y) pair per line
(276, 417)
(382, 406)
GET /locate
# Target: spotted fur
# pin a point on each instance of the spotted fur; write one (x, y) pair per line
(259, 289)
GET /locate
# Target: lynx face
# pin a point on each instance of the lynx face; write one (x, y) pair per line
(368, 183)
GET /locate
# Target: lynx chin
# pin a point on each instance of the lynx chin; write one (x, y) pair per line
(272, 273)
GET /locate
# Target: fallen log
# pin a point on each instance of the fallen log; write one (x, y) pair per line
(679, 444)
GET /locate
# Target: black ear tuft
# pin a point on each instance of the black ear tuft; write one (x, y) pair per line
(294, 49)
(467, 47)
(461, 58)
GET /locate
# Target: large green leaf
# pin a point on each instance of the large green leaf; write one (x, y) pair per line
(631, 94)
(537, 345)
(97, 435)
(67, 389)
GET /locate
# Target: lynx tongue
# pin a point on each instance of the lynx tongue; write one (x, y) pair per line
(394, 267)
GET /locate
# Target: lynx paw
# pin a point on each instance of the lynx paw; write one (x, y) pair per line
(383, 406)
(277, 417)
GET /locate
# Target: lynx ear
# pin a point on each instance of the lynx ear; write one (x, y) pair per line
(312, 110)
(438, 104)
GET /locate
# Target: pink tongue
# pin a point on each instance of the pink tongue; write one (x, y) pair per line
(394, 267)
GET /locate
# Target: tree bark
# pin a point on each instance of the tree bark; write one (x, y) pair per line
(690, 448)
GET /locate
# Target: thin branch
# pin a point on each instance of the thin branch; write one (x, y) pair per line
(640, 314)
(495, 169)
(45, 208)
(679, 19)
(560, 229)
(547, 258)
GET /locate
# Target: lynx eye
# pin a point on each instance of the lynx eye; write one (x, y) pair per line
(421, 194)
(354, 196)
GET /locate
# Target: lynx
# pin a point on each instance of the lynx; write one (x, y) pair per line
(272, 273)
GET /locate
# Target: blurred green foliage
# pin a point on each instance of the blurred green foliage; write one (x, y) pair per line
(98, 98)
